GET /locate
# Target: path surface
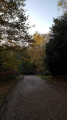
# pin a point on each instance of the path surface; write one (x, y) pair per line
(35, 99)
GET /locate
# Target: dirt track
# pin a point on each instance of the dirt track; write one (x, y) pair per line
(35, 99)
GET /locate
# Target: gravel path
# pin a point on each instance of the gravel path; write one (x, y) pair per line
(35, 99)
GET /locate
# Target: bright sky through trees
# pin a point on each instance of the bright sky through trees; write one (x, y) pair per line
(41, 13)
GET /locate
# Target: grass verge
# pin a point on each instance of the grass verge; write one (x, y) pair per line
(47, 77)
(54, 80)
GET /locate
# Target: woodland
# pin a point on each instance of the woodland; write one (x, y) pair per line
(21, 53)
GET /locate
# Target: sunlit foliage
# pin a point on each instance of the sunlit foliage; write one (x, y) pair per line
(9, 60)
(36, 51)
(63, 5)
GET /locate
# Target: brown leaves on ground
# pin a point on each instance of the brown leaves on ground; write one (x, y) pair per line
(6, 83)
(60, 80)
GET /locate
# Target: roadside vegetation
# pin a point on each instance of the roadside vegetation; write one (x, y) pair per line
(7, 82)
(60, 81)
(22, 54)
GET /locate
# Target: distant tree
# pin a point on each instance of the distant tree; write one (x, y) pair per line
(27, 67)
(36, 51)
(39, 39)
(56, 48)
(13, 28)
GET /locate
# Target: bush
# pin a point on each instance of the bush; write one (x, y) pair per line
(8, 75)
(27, 67)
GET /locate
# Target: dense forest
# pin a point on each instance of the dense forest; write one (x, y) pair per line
(21, 53)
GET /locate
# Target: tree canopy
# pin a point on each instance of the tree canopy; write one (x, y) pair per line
(56, 48)
(13, 28)
(63, 5)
